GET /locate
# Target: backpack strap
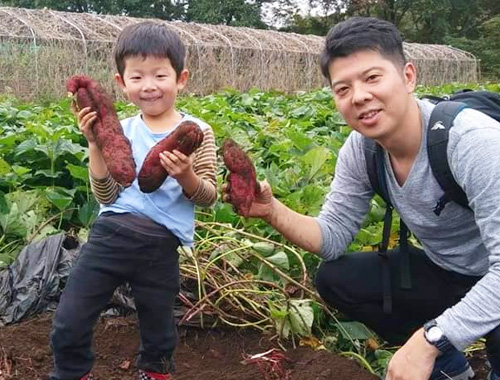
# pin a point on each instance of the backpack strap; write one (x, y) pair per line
(438, 129)
(375, 167)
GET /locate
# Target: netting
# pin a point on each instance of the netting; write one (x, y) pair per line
(39, 49)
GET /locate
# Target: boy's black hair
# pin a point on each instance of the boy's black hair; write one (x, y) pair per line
(149, 39)
(362, 33)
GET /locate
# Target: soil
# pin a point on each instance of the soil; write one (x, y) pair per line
(215, 354)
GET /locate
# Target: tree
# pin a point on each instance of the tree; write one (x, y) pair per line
(163, 9)
(307, 25)
(226, 12)
(485, 47)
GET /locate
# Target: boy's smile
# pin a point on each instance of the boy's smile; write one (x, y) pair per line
(372, 93)
(152, 84)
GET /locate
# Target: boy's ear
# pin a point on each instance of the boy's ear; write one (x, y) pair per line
(119, 81)
(410, 74)
(182, 79)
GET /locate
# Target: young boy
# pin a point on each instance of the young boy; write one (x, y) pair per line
(454, 299)
(136, 235)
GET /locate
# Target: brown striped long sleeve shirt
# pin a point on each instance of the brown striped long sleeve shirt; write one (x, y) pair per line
(106, 190)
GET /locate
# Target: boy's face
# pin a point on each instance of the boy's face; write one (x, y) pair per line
(151, 83)
(372, 93)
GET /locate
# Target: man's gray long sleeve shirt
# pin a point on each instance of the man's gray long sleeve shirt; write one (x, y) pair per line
(458, 240)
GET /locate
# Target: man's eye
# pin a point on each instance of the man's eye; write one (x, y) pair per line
(341, 90)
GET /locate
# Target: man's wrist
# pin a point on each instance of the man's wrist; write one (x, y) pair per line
(270, 217)
(435, 336)
(435, 351)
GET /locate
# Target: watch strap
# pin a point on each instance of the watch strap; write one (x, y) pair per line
(443, 344)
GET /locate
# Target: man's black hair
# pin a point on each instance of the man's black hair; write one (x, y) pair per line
(362, 33)
(149, 39)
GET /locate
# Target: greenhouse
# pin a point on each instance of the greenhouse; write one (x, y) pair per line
(39, 49)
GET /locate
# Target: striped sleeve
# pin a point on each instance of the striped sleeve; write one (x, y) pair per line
(204, 167)
(105, 189)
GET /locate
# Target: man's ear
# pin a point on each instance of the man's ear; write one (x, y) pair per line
(182, 79)
(410, 74)
(119, 81)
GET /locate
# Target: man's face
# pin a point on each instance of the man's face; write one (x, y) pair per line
(372, 93)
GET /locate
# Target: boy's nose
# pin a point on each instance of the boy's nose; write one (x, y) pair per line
(149, 85)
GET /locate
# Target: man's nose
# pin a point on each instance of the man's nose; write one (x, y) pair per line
(361, 94)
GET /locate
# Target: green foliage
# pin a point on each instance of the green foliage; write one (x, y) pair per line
(163, 9)
(43, 174)
(485, 47)
(297, 318)
(226, 12)
(308, 25)
(293, 141)
(471, 25)
(229, 12)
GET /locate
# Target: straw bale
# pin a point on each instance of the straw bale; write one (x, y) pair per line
(39, 49)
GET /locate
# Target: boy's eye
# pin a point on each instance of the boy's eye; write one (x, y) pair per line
(373, 77)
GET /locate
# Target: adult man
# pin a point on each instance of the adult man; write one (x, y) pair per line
(455, 281)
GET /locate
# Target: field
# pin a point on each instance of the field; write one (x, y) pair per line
(201, 354)
(248, 288)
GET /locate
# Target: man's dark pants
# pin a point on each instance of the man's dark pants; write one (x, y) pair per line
(353, 285)
(120, 248)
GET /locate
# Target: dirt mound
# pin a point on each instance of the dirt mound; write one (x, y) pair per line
(201, 354)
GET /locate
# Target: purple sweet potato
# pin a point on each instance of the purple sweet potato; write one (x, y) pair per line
(243, 185)
(186, 138)
(113, 144)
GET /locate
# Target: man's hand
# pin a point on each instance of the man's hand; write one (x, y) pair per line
(302, 230)
(414, 361)
(262, 207)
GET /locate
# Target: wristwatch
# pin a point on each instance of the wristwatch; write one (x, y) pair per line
(435, 336)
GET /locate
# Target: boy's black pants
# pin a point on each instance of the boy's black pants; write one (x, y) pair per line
(120, 248)
(353, 285)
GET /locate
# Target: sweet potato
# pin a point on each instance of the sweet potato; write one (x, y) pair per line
(114, 146)
(243, 185)
(186, 138)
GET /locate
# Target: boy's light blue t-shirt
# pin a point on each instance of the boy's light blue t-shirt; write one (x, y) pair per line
(167, 205)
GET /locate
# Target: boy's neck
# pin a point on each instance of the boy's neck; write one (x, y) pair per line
(162, 123)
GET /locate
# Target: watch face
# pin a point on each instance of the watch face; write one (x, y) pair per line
(434, 334)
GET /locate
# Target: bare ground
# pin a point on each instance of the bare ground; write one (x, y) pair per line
(202, 354)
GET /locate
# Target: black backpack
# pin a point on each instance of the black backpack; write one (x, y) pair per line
(441, 121)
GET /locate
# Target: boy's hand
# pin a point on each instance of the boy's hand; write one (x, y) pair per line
(261, 207)
(86, 118)
(177, 164)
